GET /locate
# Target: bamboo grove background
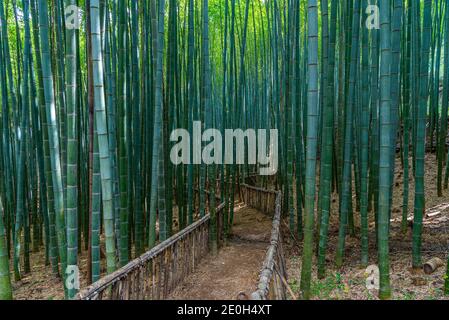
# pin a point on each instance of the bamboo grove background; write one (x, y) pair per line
(86, 116)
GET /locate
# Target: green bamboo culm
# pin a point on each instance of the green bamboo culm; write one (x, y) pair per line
(406, 120)
(364, 142)
(72, 150)
(5, 279)
(383, 209)
(421, 136)
(190, 105)
(123, 147)
(158, 48)
(96, 214)
(102, 133)
(312, 132)
(209, 109)
(7, 205)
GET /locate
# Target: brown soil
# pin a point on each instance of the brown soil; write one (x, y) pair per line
(350, 281)
(41, 283)
(236, 268)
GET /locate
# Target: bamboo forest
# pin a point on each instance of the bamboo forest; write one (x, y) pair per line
(224, 149)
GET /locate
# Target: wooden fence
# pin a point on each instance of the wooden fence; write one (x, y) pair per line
(157, 272)
(273, 275)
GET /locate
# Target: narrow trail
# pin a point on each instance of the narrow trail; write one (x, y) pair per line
(237, 265)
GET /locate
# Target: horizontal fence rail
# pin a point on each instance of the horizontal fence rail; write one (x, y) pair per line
(254, 179)
(272, 283)
(157, 272)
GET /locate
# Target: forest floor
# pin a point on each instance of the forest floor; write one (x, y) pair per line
(41, 283)
(237, 266)
(349, 282)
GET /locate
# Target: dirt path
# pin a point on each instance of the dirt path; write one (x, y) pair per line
(237, 266)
